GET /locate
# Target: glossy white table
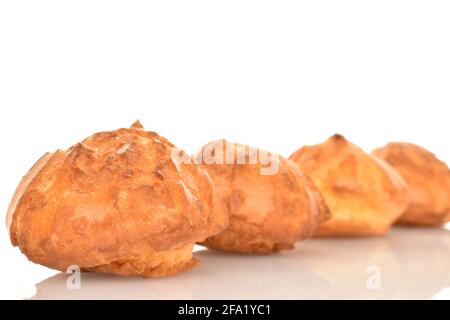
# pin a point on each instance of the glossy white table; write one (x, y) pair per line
(409, 263)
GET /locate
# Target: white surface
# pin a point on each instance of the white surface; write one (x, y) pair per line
(412, 264)
(273, 74)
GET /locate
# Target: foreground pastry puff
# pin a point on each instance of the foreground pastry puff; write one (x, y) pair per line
(271, 206)
(428, 179)
(365, 195)
(115, 203)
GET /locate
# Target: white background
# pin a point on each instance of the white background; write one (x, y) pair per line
(273, 74)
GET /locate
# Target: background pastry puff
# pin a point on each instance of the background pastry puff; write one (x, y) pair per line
(428, 179)
(365, 195)
(116, 203)
(271, 203)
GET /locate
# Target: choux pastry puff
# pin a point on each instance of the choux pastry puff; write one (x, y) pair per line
(365, 194)
(271, 204)
(428, 179)
(115, 203)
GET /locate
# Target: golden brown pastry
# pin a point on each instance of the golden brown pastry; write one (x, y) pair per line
(428, 179)
(271, 203)
(365, 195)
(115, 203)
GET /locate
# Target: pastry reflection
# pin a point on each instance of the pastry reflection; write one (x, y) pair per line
(410, 263)
(413, 263)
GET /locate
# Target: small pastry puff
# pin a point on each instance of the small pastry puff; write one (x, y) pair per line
(428, 179)
(364, 193)
(271, 204)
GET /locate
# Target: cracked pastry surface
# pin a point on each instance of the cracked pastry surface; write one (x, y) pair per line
(117, 202)
(428, 179)
(268, 212)
(365, 194)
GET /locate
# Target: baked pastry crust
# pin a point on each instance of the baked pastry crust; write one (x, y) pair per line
(268, 213)
(116, 202)
(428, 179)
(365, 195)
